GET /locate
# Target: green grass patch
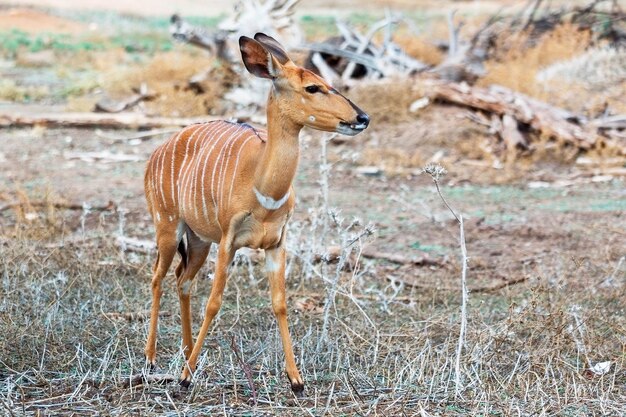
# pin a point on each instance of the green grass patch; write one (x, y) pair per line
(14, 41)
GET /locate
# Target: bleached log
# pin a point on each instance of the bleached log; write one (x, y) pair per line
(110, 121)
(542, 117)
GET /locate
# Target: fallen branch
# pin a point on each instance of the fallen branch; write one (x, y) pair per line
(134, 316)
(215, 43)
(104, 156)
(399, 259)
(334, 253)
(110, 206)
(141, 379)
(108, 105)
(542, 117)
(492, 288)
(110, 121)
(135, 245)
(471, 290)
(139, 136)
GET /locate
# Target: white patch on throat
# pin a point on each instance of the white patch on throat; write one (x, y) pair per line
(269, 203)
(311, 118)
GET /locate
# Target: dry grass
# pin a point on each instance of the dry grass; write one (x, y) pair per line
(386, 101)
(420, 48)
(167, 74)
(375, 348)
(12, 91)
(518, 65)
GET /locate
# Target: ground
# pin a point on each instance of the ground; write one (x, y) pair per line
(545, 239)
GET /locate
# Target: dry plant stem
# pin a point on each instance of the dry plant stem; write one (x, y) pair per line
(245, 367)
(464, 294)
(457, 379)
(331, 292)
(445, 202)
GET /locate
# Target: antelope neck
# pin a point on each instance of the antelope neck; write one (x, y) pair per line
(279, 160)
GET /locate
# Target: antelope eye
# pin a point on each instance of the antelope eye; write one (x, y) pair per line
(312, 89)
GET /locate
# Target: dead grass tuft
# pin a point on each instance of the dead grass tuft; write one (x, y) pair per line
(517, 66)
(420, 48)
(386, 101)
(11, 91)
(168, 74)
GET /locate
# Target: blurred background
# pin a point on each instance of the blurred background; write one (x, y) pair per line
(517, 106)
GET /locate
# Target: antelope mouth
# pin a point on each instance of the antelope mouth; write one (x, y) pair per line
(350, 129)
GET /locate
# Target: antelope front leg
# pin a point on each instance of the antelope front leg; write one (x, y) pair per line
(224, 257)
(275, 267)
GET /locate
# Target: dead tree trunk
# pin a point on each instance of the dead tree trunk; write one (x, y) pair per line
(539, 116)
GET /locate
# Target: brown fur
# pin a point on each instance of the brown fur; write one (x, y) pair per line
(205, 182)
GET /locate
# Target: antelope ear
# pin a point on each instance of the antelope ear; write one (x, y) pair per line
(273, 46)
(257, 59)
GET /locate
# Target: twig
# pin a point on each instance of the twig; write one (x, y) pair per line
(437, 171)
(245, 367)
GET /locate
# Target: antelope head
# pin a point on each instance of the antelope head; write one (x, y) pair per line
(302, 96)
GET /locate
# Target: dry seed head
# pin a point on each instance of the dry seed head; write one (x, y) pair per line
(436, 171)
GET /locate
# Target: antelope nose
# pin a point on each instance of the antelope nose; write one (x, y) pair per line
(363, 118)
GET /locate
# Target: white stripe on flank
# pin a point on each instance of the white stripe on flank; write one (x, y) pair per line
(192, 174)
(269, 203)
(232, 182)
(218, 159)
(186, 168)
(214, 192)
(221, 140)
(206, 159)
(183, 167)
(162, 194)
(224, 170)
(154, 166)
(206, 141)
(174, 159)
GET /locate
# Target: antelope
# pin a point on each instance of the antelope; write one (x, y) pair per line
(231, 184)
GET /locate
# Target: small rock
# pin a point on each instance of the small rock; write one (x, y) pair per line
(369, 171)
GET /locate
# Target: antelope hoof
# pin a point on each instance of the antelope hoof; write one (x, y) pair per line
(151, 365)
(297, 386)
(185, 378)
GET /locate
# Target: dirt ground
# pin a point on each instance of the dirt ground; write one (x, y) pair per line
(532, 251)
